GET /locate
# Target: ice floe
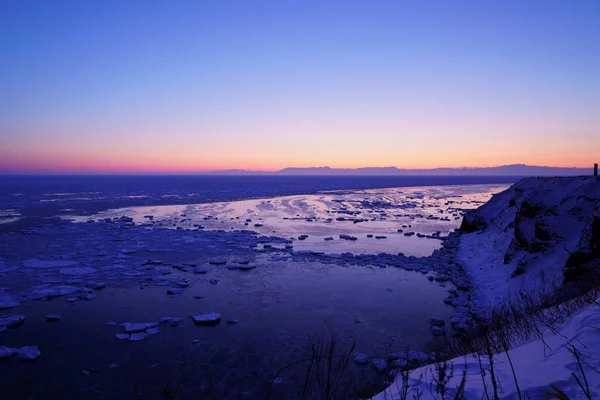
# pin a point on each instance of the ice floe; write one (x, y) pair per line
(11, 321)
(52, 317)
(27, 353)
(135, 327)
(8, 301)
(212, 318)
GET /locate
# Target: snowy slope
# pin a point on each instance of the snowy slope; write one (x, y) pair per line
(536, 366)
(530, 230)
(538, 235)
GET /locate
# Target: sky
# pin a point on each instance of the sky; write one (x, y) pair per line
(182, 86)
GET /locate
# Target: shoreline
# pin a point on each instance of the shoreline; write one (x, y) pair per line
(528, 265)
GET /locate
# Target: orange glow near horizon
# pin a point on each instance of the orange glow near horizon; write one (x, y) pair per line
(336, 143)
(185, 163)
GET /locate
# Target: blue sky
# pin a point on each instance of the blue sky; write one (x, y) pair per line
(174, 86)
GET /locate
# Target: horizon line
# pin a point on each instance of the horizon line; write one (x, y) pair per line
(233, 171)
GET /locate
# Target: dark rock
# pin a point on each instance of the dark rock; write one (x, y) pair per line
(471, 224)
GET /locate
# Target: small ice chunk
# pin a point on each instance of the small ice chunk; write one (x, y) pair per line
(113, 366)
(71, 299)
(152, 331)
(231, 320)
(212, 318)
(122, 336)
(438, 331)
(136, 337)
(111, 323)
(195, 341)
(52, 317)
(200, 270)
(246, 267)
(52, 291)
(379, 364)
(217, 261)
(11, 321)
(85, 372)
(173, 321)
(6, 352)
(8, 301)
(213, 281)
(27, 353)
(135, 327)
(361, 359)
(437, 321)
(86, 296)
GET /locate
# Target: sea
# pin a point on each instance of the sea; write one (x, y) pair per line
(287, 263)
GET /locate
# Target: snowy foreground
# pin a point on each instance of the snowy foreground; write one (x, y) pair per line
(537, 366)
(540, 234)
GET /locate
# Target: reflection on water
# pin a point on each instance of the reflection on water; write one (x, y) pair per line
(8, 216)
(406, 220)
(279, 305)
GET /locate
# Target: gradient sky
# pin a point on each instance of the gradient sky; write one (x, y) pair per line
(173, 86)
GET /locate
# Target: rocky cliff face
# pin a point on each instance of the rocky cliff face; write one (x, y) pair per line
(539, 233)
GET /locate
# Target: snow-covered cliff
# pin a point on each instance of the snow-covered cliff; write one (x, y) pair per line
(538, 234)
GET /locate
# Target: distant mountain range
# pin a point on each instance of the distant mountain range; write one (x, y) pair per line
(504, 170)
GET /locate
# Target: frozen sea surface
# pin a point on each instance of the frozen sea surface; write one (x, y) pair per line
(44, 195)
(281, 290)
(382, 220)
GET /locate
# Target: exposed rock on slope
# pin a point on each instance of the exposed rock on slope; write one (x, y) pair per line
(539, 234)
